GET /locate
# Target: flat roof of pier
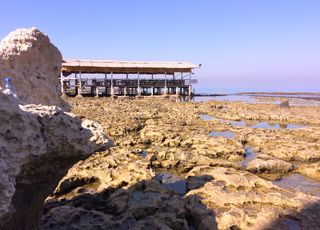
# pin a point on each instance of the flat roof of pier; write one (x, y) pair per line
(70, 66)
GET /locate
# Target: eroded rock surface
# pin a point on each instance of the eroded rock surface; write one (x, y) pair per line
(242, 200)
(154, 135)
(310, 170)
(38, 145)
(33, 63)
(269, 167)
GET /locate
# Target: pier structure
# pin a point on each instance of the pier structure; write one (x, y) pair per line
(126, 78)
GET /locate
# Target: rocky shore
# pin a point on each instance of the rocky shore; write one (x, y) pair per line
(172, 165)
(186, 165)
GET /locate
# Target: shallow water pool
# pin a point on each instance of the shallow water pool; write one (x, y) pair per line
(250, 155)
(299, 183)
(205, 117)
(242, 123)
(225, 134)
(172, 182)
(266, 125)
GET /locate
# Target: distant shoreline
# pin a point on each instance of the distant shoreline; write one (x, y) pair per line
(298, 95)
(279, 93)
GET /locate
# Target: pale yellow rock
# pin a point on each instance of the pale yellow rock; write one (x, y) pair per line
(33, 63)
(310, 170)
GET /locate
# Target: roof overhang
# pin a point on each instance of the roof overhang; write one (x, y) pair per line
(70, 66)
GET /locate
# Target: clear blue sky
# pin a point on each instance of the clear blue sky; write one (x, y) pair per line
(243, 45)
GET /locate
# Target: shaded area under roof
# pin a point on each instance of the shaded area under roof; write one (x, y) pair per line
(70, 66)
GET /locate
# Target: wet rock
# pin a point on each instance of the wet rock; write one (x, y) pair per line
(33, 63)
(142, 205)
(310, 170)
(266, 166)
(219, 194)
(108, 170)
(38, 145)
(215, 147)
(284, 104)
(293, 145)
(241, 200)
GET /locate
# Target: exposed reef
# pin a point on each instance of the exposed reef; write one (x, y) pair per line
(124, 188)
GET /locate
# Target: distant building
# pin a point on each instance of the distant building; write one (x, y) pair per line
(126, 78)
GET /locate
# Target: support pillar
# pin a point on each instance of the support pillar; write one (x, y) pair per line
(105, 84)
(177, 90)
(151, 91)
(139, 91)
(126, 84)
(112, 89)
(63, 91)
(79, 84)
(165, 90)
(97, 92)
(190, 86)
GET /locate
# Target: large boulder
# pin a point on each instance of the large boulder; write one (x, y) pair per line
(38, 145)
(33, 63)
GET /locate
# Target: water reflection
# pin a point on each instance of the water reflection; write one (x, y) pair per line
(266, 125)
(225, 134)
(250, 155)
(252, 124)
(294, 100)
(172, 182)
(205, 117)
(299, 183)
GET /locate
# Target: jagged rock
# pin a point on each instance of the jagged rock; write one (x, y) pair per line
(107, 170)
(241, 200)
(268, 166)
(38, 145)
(33, 63)
(122, 198)
(220, 194)
(310, 170)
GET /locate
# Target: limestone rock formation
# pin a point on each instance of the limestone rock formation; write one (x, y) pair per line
(119, 189)
(269, 167)
(310, 170)
(241, 200)
(38, 145)
(33, 63)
